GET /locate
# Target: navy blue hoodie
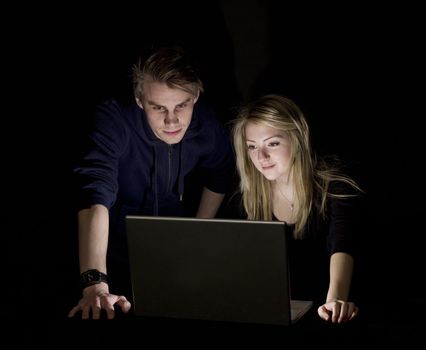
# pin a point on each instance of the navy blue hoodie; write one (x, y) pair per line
(130, 171)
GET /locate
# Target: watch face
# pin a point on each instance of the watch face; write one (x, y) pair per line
(92, 277)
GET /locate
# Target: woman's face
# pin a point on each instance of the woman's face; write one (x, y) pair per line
(269, 150)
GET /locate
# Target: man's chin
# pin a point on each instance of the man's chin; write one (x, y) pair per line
(172, 140)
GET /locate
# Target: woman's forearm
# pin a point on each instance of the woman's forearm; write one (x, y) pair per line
(341, 269)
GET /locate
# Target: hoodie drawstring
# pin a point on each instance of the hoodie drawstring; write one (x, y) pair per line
(181, 178)
(155, 183)
(181, 182)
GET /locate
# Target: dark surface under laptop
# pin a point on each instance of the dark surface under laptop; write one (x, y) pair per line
(218, 269)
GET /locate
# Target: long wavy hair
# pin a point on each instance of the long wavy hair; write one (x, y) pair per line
(308, 174)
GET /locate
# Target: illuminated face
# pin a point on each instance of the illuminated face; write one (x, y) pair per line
(168, 110)
(269, 150)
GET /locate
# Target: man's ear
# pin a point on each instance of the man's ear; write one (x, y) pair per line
(139, 102)
(196, 97)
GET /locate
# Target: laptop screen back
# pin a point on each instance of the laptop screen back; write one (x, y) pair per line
(222, 270)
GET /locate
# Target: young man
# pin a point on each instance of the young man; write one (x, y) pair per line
(139, 155)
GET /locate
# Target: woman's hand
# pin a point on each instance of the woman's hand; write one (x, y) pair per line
(338, 311)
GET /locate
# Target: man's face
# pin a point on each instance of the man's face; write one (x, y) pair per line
(168, 110)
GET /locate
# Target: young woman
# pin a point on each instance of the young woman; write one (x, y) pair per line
(281, 179)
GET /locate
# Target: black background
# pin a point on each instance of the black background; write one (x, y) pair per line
(357, 72)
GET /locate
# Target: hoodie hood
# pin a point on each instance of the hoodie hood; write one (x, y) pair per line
(146, 132)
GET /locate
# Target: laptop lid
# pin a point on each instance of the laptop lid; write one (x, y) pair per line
(211, 269)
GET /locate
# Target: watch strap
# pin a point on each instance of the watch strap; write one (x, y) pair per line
(91, 277)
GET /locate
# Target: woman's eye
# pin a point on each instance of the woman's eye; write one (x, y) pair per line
(274, 144)
(251, 147)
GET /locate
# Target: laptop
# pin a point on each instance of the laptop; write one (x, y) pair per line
(211, 269)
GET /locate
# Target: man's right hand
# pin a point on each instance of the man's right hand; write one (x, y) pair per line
(97, 297)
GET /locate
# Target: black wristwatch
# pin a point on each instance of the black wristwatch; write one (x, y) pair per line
(91, 277)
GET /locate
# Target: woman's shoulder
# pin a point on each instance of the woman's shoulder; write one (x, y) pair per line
(344, 187)
(345, 200)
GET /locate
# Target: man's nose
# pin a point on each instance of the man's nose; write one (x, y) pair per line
(171, 118)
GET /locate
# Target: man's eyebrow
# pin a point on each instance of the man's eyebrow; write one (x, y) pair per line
(153, 103)
(185, 101)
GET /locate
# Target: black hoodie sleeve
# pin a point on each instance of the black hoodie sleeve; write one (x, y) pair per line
(97, 170)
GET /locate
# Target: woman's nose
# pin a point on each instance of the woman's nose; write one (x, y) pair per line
(262, 154)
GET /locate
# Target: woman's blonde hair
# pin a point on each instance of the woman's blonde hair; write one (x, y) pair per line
(283, 114)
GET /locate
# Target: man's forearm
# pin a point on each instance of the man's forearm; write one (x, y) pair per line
(93, 237)
(209, 204)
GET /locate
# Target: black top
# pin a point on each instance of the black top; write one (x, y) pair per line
(338, 231)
